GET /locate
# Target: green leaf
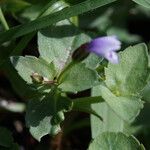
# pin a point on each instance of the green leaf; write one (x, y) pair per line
(111, 122)
(124, 80)
(48, 20)
(28, 65)
(126, 108)
(21, 87)
(55, 43)
(58, 42)
(115, 141)
(37, 10)
(145, 93)
(84, 104)
(44, 115)
(43, 128)
(145, 3)
(92, 61)
(15, 5)
(30, 13)
(130, 75)
(77, 77)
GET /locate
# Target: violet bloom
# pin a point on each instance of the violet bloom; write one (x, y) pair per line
(106, 47)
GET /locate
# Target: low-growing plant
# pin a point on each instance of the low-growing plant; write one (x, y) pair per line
(71, 56)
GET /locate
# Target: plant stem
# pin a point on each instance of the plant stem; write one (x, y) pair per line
(3, 20)
(70, 65)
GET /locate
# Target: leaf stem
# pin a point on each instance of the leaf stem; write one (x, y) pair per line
(3, 20)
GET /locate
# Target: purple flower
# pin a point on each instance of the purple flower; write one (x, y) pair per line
(106, 47)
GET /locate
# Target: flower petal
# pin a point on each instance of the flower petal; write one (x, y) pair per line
(106, 47)
(112, 57)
